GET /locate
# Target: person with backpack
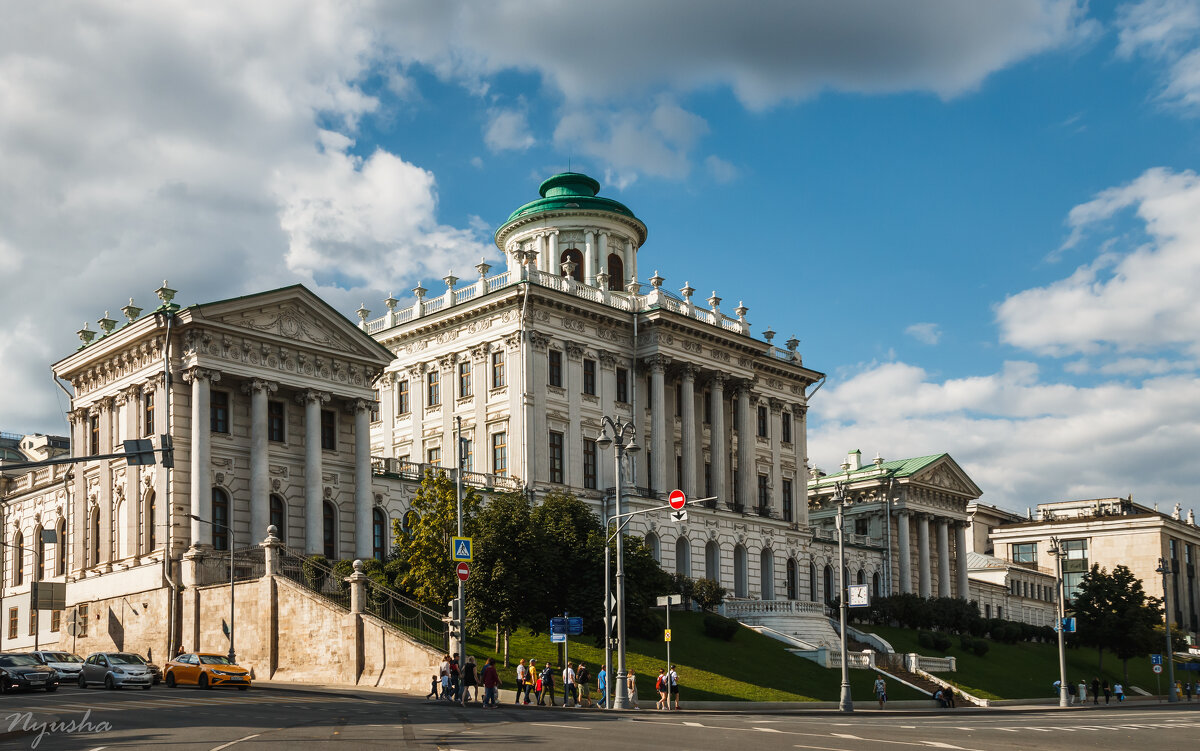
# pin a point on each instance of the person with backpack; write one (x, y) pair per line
(582, 676)
(548, 685)
(660, 685)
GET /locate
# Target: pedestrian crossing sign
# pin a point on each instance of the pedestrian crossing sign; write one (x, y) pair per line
(460, 548)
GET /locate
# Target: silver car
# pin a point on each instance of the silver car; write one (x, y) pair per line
(115, 670)
(67, 664)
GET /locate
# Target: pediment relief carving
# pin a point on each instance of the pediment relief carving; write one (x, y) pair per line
(289, 322)
(943, 477)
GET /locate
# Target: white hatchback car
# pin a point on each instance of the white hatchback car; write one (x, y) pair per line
(67, 664)
(115, 670)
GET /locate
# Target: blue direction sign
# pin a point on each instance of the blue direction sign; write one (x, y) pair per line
(570, 626)
(1155, 659)
(1068, 625)
(460, 549)
(557, 638)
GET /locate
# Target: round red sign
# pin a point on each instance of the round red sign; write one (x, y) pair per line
(463, 571)
(677, 499)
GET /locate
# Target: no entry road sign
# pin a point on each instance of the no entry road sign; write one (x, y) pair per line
(677, 499)
(463, 571)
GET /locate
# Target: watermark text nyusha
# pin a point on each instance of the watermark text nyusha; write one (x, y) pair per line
(24, 722)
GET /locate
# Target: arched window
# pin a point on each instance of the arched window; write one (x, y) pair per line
(220, 518)
(279, 517)
(792, 576)
(39, 565)
(330, 531)
(740, 565)
(861, 578)
(18, 546)
(766, 573)
(616, 273)
(95, 547)
(712, 561)
(574, 256)
(828, 585)
(653, 546)
(875, 584)
(683, 556)
(813, 595)
(149, 522)
(378, 534)
(60, 548)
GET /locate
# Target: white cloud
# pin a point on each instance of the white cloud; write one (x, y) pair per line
(655, 143)
(1141, 301)
(720, 170)
(926, 333)
(1168, 32)
(508, 130)
(1144, 366)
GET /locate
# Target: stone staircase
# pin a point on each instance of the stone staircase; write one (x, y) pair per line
(800, 621)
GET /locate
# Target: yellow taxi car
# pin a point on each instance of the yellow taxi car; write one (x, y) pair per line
(205, 670)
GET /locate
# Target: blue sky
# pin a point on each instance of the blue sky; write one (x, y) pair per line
(981, 219)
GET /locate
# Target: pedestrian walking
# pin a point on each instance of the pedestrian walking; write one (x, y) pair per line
(1107, 690)
(491, 683)
(1119, 692)
(673, 685)
(522, 674)
(1095, 690)
(602, 688)
(632, 685)
(1187, 689)
(435, 687)
(454, 679)
(548, 685)
(534, 681)
(880, 691)
(568, 676)
(582, 686)
(470, 681)
(444, 674)
(1082, 689)
(660, 685)
(1072, 693)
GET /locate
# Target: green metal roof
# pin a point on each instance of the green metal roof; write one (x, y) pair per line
(895, 468)
(570, 190)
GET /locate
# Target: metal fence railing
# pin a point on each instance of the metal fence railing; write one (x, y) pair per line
(213, 566)
(314, 576)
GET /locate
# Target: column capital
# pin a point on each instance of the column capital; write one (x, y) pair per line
(446, 362)
(513, 341)
(717, 381)
(608, 360)
(540, 341)
(313, 396)
(744, 386)
(196, 373)
(776, 406)
(657, 364)
(688, 372)
(575, 350)
(480, 352)
(79, 415)
(904, 512)
(354, 406)
(800, 410)
(415, 371)
(259, 385)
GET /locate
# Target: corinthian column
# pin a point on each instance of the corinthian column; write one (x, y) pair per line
(201, 454)
(688, 431)
(923, 588)
(260, 457)
(363, 538)
(314, 538)
(960, 556)
(746, 447)
(717, 433)
(943, 543)
(658, 423)
(904, 537)
(776, 407)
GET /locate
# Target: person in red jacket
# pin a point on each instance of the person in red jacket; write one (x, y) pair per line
(491, 683)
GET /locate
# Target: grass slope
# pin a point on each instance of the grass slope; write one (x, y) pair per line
(1020, 671)
(750, 667)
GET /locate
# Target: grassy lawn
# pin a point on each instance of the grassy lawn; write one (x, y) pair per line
(1020, 671)
(751, 667)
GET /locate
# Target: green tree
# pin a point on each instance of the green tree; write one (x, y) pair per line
(424, 551)
(508, 562)
(1095, 607)
(708, 594)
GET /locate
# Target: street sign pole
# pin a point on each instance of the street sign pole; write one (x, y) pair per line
(462, 584)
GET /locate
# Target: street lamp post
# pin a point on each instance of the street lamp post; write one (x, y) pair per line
(1057, 551)
(232, 547)
(846, 704)
(620, 435)
(1164, 568)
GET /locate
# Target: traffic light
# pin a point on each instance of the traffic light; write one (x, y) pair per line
(453, 617)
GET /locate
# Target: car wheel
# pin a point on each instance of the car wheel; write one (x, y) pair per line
(203, 682)
(82, 681)
(51, 689)
(108, 683)
(170, 680)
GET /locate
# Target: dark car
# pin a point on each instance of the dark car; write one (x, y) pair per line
(19, 671)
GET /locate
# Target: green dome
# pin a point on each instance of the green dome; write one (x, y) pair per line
(570, 190)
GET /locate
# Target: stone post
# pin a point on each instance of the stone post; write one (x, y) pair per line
(358, 588)
(271, 550)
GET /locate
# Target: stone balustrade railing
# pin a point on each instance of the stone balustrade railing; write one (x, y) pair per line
(832, 658)
(387, 466)
(736, 608)
(37, 478)
(914, 662)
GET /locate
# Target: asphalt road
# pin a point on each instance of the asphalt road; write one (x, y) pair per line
(271, 718)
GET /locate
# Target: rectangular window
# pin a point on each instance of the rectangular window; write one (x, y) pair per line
(589, 377)
(218, 410)
(467, 449)
(862, 527)
(498, 377)
(94, 435)
(1025, 552)
(708, 407)
(764, 495)
(148, 413)
(432, 381)
(55, 621)
(785, 428)
(464, 379)
(375, 407)
(500, 453)
(275, 422)
(787, 500)
(12, 623)
(1000, 613)
(328, 430)
(402, 397)
(623, 385)
(556, 457)
(554, 374)
(33, 622)
(762, 422)
(589, 464)
(708, 488)
(434, 456)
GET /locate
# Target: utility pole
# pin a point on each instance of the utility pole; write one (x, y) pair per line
(462, 585)
(1057, 551)
(1164, 568)
(846, 704)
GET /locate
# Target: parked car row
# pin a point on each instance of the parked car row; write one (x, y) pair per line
(46, 670)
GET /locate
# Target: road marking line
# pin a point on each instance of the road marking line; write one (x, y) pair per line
(767, 730)
(546, 725)
(239, 740)
(694, 724)
(847, 736)
(824, 748)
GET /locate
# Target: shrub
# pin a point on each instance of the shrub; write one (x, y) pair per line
(707, 593)
(925, 639)
(941, 642)
(980, 647)
(720, 627)
(314, 570)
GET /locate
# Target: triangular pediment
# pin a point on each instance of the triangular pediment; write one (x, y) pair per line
(946, 474)
(297, 315)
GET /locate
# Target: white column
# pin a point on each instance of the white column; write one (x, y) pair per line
(201, 450)
(747, 469)
(602, 258)
(79, 501)
(543, 255)
(260, 457)
(923, 588)
(717, 447)
(943, 543)
(903, 537)
(776, 408)
(607, 380)
(363, 495)
(589, 257)
(687, 432)
(106, 486)
(573, 471)
(960, 558)
(552, 254)
(658, 424)
(630, 260)
(314, 538)
(800, 442)
(162, 535)
(133, 495)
